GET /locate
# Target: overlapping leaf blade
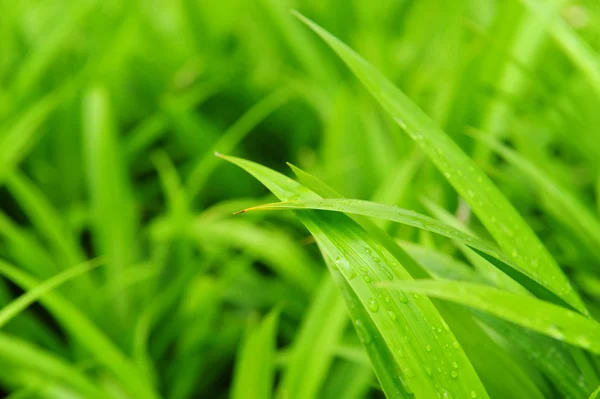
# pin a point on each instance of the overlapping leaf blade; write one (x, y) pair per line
(544, 317)
(504, 223)
(417, 337)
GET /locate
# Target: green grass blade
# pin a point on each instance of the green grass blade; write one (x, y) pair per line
(320, 188)
(277, 250)
(9, 311)
(19, 353)
(404, 323)
(548, 355)
(53, 42)
(25, 249)
(312, 351)
(504, 223)
(551, 359)
(565, 205)
(302, 44)
(515, 384)
(595, 394)
(87, 334)
(411, 218)
(113, 216)
(580, 52)
(381, 358)
(386, 212)
(19, 138)
(44, 217)
(546, 318)
(227, 142)
(255, 368)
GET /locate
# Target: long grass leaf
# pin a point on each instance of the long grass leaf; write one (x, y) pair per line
(312, 351)
(412, 327)
(44, 217)
(411, 218)
(114, 219)
(19, 353)
(494, 210)
(9, 311)
(204, 166)
(564, 204)
(580, 52)
(255, 368)
(87, 334)
(546, 318)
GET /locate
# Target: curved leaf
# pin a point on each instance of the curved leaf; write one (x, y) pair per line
(255, 368)
(415, 334)
(407, 217)
(8, 312)
(501, 219)
(546, 318)
(90, 336)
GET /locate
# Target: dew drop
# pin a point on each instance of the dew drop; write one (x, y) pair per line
(344, 266)
(388, 274)
(373, 305)
(455, 365)
(392, 315)
(362, 332)
(402, 297)
(401, 122)
(454, 374)
(445, 325)
(473, 394)
(556, 332)
(428, 348)
(455, 345)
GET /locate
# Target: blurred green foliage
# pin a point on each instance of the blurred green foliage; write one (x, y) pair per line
(110, 114)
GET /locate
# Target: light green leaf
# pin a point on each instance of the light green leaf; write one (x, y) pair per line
(44, 217)
(546, 318)
(413, 331)
(580, 52)
(87, 334)
(503, 222)
(8, 312)
(19, 353)
(312, 352)
(411, 218)
(113, 216)
(564, 204)
(255, 367)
